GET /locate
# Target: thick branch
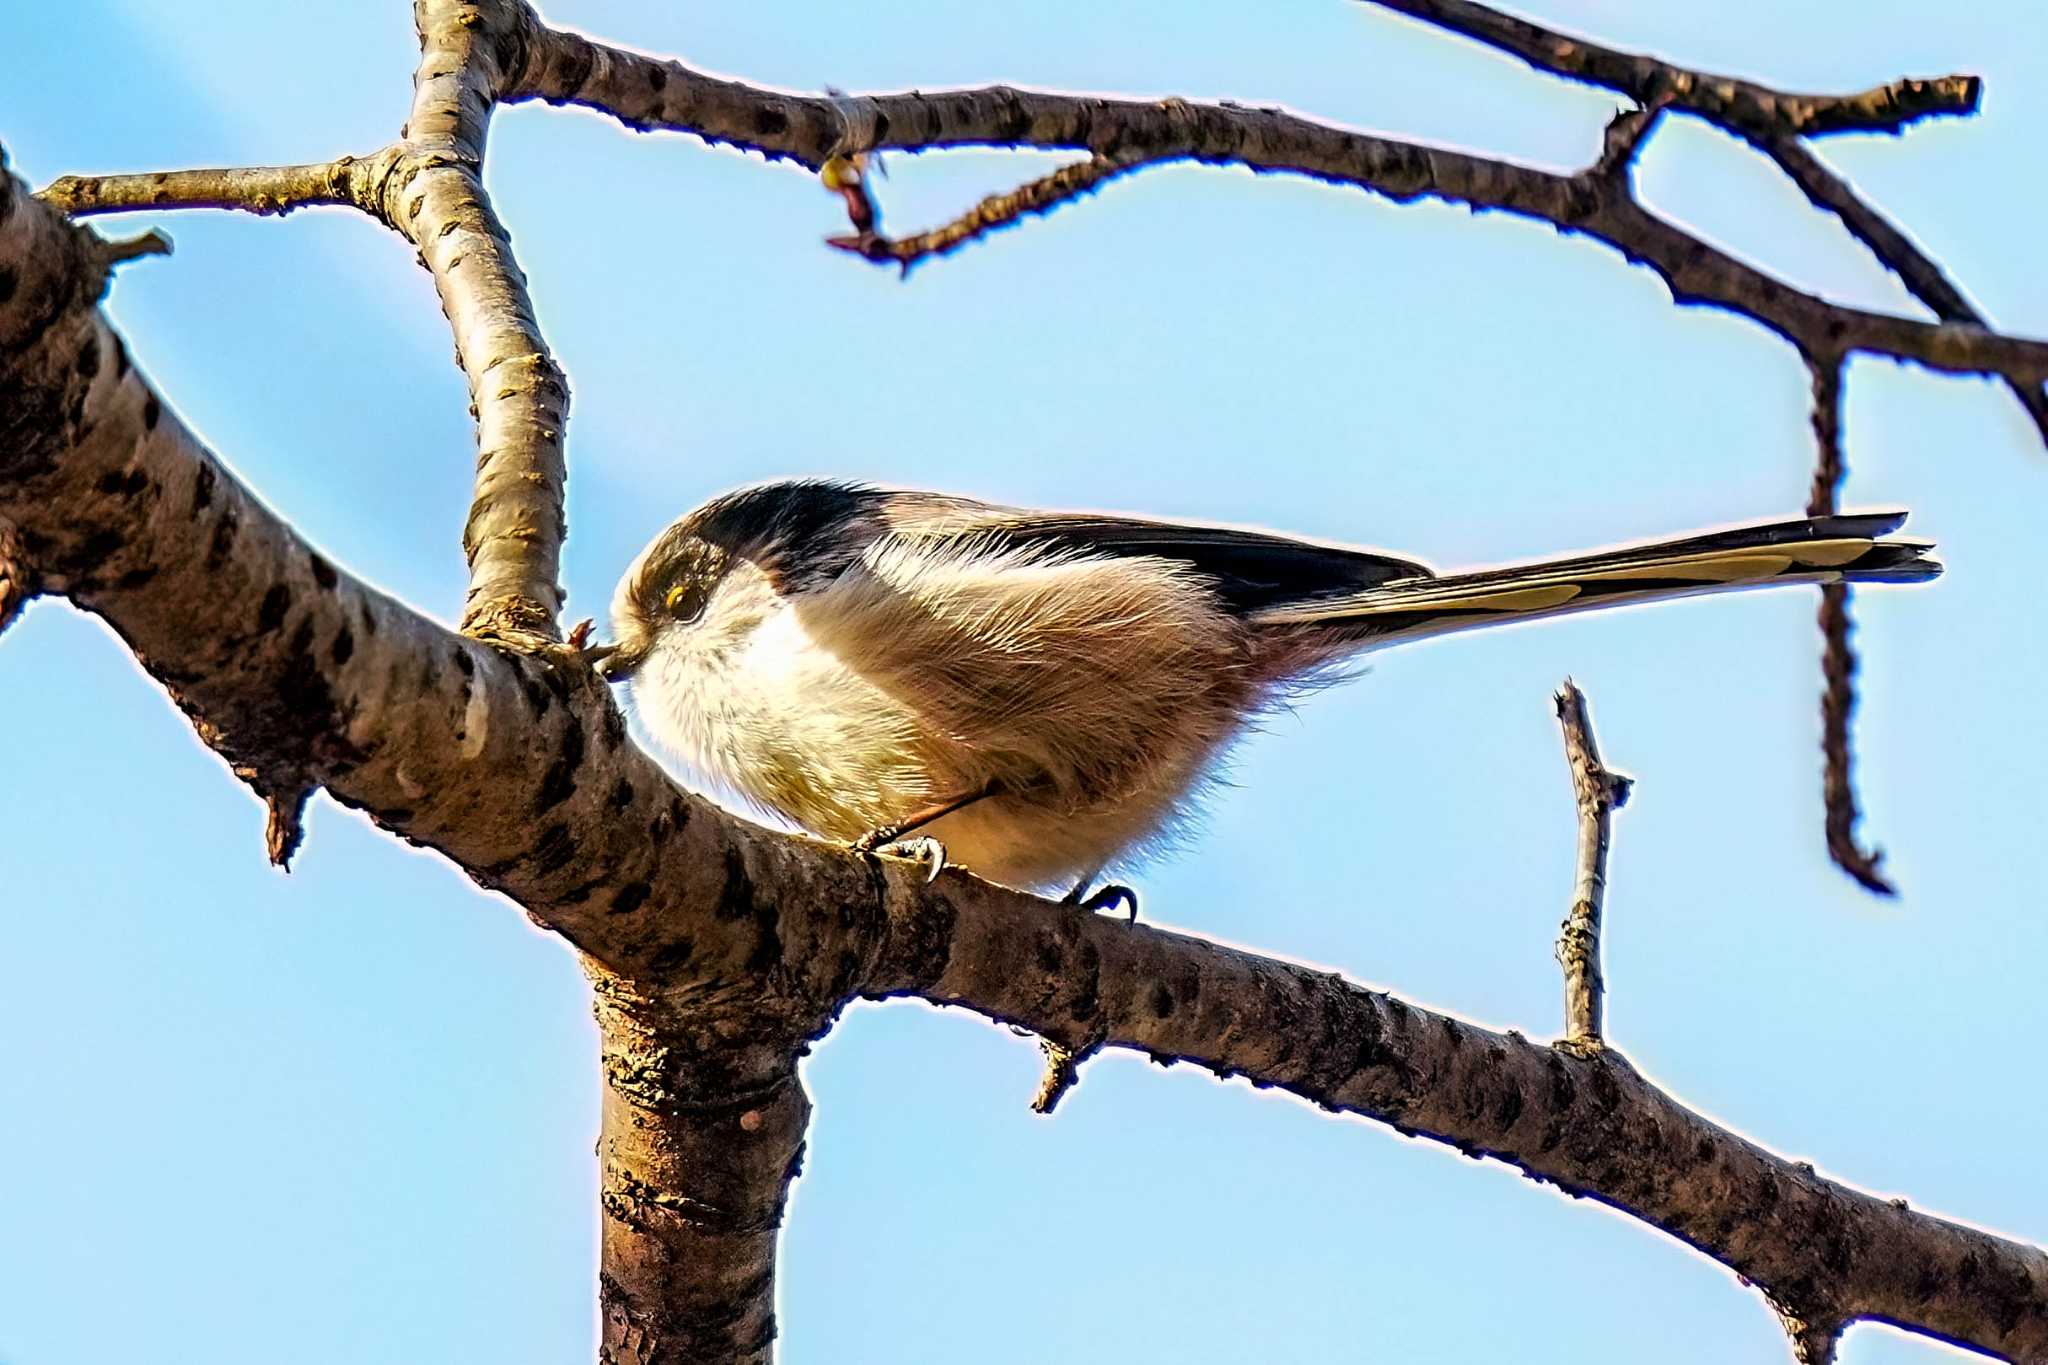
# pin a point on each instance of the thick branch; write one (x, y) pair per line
(1726, 100)
(1587, 1122)
(647, 92)
(517, 768)
(704, 1122)
(517, 523)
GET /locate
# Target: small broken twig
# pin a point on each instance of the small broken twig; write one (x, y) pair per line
(1599, 793)
(997, 211)
(1062, 1069)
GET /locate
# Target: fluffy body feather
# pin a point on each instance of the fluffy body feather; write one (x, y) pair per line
(850, 657)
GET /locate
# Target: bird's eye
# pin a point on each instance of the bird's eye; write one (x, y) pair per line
(686, 601)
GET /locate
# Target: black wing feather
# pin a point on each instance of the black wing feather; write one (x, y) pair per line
(1251, 569)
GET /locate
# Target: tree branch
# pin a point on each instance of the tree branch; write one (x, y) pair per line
(1770, 120)
(1598, 793)
(1892, 249)
(253, 189)
(646, 92)
(1042, 195)
(1735, 104)
(1838, 655)
(520, 397)
(719, 949)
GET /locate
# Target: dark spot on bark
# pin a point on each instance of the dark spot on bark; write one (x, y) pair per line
(621, 794)
(127, 485)
(91, 555)
(7, 283)
(1161, 1000)
(463, 662)
(576, 68)
(630, 897)
(736, 897)
(614, 726)
(88, 362)
(202, 488)
(1089, 996)
(657, 79)
(1705, 1151)
(1508, 1108)
(323, 572)
(134, 578)
(555, 849)
(536, 695)
(670, 956)
(669, 821)
(223, 543)
(1050, 958)
(120, 356)
(770, 122)
(151, 411)
(344, 646)
(276, 602)
(558, 783)
(397, 815)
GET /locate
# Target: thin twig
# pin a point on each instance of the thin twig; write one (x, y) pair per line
(997, 211)
(1892, 249)
(1838, 655)
(1726, 100)
(646, 92)
(251, 189)
(1599, 794)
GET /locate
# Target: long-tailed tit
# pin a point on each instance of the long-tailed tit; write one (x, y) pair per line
(1046, 692)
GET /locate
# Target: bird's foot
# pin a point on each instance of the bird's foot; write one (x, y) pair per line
(884, 843)
(1108, 898)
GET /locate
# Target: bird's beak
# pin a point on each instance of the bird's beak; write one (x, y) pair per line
(614, 663)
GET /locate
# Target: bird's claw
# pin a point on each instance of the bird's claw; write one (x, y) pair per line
(1108, 898)
(922, 849)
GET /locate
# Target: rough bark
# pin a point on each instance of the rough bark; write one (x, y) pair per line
(718, 950)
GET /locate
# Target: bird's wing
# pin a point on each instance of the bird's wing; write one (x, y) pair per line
(1059, 665)
(1250, 570)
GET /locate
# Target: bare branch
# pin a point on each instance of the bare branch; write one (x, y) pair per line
(1587, 1122)
(1733, 103)
(703, 1134)
(1838, 655)
(1769, 119)
(1599, 793)
(517, 521)
(1893, 249)
(1042, 195)
(646, 92)
(516, 766)
(255, 189)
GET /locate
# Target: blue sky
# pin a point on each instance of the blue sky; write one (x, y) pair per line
(347, 1115)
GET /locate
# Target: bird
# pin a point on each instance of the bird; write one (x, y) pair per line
(1042, 695)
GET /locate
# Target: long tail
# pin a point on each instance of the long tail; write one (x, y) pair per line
(1837, 549)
